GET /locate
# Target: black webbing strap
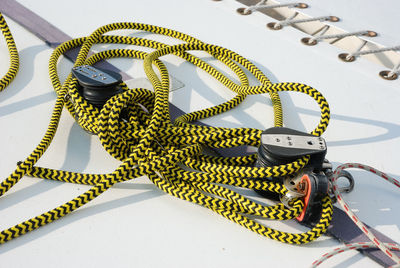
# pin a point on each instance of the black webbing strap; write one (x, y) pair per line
(341, 228)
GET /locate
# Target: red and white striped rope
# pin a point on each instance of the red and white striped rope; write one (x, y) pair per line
(386, 248)
(361, 245)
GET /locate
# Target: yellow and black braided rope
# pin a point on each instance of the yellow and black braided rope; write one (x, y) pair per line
(14, 58)
(149, 143)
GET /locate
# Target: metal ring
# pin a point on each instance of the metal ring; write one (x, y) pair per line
(243, 11)
(343, 57)
(349, 177)
(306, 41)
(302, 5)
(333, 19)
(370, 34)
(271, 26)
(384, 75)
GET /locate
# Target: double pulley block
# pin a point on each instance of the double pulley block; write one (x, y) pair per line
(280, 146)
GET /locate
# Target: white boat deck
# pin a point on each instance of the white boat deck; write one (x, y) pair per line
(135, 224)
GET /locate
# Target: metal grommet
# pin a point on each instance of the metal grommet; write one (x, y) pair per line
(306, 41)
(333, 19)
(384, 75)
(343, 57)
(243, 11)
(271, 26)
(301, 5)
(370, 34)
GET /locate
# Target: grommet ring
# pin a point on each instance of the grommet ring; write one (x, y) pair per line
(301, 5)
(333, 19)
(370, 34)
(343, 57)
(243, 11)
(271, 26)
(384, 75)
(306, 41)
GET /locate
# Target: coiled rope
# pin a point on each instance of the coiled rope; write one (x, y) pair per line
(149, 143)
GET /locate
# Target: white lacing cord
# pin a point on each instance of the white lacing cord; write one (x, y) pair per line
(262, 5)
(278, 25)
(315, 39)
(320, 34)
(348, 57)
(385, 248)
(351, 55)
(358, 52)
(290, 21)
(386, 74)
(395, 71)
